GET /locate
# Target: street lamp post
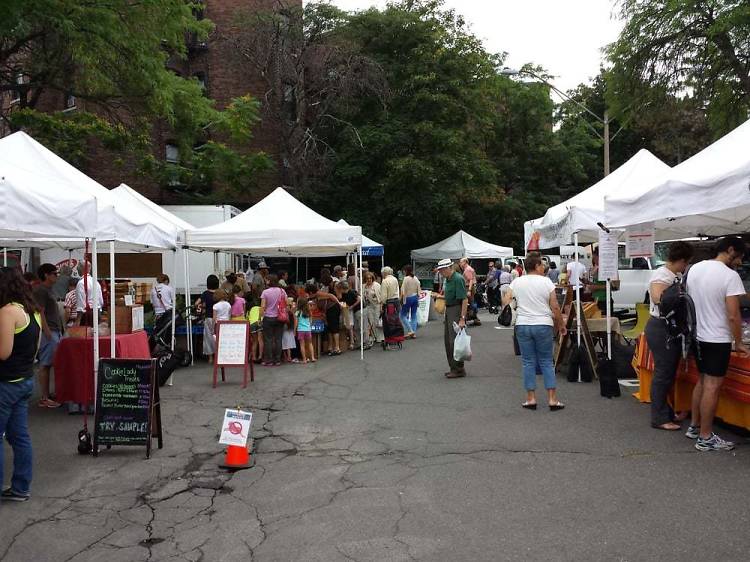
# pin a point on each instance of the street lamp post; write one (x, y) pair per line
(604, 135)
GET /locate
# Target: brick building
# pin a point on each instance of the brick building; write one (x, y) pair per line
(224, 75)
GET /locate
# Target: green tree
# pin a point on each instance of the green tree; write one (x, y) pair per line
(698, 46)
(113, 58)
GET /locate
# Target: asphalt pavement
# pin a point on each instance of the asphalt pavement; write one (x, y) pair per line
(386, 460)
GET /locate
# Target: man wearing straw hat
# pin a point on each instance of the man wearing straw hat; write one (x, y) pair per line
(456, 302)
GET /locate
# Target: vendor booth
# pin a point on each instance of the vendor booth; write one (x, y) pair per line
(461, 244)
(280, 225)
(705, 195)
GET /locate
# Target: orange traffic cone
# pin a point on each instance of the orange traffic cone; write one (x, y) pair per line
(236, 458)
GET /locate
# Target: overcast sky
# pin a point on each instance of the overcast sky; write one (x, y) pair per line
(564, 36)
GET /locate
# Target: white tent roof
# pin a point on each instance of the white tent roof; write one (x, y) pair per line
(134, 202)
(367, 243)
(278, 225)
(582, 212)
(708, 194)
(28, 211)
(124, 226)
(459, 245)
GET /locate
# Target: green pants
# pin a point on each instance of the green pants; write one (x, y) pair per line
(452, 314)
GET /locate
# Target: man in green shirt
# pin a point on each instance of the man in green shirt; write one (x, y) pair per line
(456, 302)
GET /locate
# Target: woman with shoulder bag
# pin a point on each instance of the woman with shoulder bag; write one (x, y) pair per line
(275, 316)
(666, 357)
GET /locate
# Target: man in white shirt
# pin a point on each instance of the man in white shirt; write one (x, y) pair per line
(87, 288)
(162, 295)
(576, 273)
(715, 287)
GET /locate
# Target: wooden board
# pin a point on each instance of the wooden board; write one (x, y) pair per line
(128, 409)
(588, 347)
(233, 349)
(563, 342)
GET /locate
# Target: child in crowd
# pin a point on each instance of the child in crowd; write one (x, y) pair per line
(288, 343)
(238, 306)
(304, 330)
(256, 334)
(222, 305)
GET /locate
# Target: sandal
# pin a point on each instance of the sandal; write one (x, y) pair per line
(669, 426)
(337, 352)
(557, 406)
(529, 405)
(48, 403)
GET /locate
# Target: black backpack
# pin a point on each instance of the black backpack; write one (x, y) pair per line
(677, 310)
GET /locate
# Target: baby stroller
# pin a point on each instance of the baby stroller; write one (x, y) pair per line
(393, 329)
(167, 359)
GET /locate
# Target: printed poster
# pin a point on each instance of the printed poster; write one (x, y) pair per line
(236, 428)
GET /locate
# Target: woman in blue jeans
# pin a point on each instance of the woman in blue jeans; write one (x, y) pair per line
(20, 326)
(537, 314)
(410, 301)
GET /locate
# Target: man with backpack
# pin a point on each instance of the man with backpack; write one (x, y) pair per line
(715, 288)
(662, 340)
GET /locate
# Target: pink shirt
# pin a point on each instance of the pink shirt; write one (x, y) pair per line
(272, 296)
(238, 306)
(469, 275)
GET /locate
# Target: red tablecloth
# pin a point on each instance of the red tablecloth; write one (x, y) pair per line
(74, 363)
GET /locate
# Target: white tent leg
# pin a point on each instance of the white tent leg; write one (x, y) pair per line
(112, 329)
(95, 312)
(296, 272)
(189, 323)
(5, 257)
(361, 309)
(382, 263)
(609, 316)
(170, 380)
(578, 302)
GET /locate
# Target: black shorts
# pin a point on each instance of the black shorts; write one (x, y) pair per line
(713, 358)
(333, 318)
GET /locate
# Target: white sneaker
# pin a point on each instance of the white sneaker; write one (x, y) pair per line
(713, 443)
(693, 432)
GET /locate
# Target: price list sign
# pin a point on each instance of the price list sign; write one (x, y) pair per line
(127, 404)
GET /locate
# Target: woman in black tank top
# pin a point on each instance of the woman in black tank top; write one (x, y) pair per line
(20, 326)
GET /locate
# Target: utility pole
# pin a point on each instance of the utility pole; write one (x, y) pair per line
(606, 142)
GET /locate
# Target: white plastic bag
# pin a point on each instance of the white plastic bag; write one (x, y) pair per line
(462, 344)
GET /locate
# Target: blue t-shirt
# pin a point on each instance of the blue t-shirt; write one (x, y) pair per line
(303, 323)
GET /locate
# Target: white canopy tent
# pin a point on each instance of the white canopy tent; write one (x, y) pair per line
(581, 213)
(370, 248)
(461, 244)
(28, 211)
(126, 226)
(706, 195)
(279, 224)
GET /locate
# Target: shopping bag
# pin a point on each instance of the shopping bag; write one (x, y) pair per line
(461, 345)
(505, 318)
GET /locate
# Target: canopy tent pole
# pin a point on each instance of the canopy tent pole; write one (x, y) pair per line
(112, 319)
(296, 272)
(189, 323)
(95, 313)
(5, 257)
(170, 380)
(609, 322)
(382, 263)
(361, 309)
(578, 299)
(307, 273)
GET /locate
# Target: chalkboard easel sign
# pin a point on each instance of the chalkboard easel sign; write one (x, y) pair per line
(128, 410)
(233, 349)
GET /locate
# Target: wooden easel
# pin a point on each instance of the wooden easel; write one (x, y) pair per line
(233, 351)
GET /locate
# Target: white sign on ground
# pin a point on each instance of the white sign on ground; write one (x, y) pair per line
(236, 428)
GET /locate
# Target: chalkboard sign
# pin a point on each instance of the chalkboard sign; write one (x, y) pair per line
(233, 349)
(128, 411)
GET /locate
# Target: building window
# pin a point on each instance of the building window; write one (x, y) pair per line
(172, 153)
(20, 81)
(289, 105)
(70, 101)
(201, 78)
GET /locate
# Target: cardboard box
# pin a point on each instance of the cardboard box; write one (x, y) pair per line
(128, 319)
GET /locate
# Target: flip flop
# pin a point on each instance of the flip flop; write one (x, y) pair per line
(556, 407)
(661, 427)
(529, 405)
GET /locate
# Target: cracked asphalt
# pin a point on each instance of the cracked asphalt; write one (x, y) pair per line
(386, 460)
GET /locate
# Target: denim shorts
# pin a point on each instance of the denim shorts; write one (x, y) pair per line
(47, 348)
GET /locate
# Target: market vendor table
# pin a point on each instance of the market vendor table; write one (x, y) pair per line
(734, 397)
(74, 363)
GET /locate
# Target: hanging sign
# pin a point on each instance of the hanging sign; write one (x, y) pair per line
(236, 428)
(640, 241)
(607, 256)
